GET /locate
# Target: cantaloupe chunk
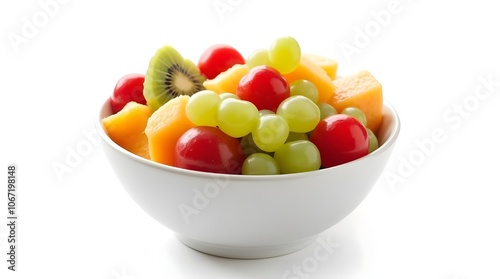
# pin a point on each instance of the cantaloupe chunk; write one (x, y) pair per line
(363, 91)
(329, 65)
(165, 126)
(228, 80)
(126, 128)
(312, 72)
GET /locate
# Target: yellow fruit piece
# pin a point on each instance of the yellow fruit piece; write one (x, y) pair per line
(363, 91)
(329, 65)
(126, 128)
(165, 126)
(227, 81)
(310, 71)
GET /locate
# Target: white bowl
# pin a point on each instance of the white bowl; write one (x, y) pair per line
(240, 216)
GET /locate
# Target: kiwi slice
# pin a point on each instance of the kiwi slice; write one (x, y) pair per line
(170, 75)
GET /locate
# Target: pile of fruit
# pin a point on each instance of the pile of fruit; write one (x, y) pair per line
(278, 111)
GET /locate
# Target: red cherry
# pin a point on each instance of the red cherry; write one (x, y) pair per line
(340, 139)
(209, 149)
(217, 59)
(264, 86)
(128, 88)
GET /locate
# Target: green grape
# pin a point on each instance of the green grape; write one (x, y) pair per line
(305, 88)
(260, 164)
(298, 156)
(237, 118)
(326, 110)
(228, 95)
(373, 141)
(284, 54)
(265, 111)
(301, 114)
(201, 108)
(271, 133)
(258, 58)
(356, 113)
(292, 136)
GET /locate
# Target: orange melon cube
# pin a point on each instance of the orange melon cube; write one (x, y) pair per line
(126, 128)
(227, 81)
(165, 126)
(312, 72)
(363, 91)
(329, 65)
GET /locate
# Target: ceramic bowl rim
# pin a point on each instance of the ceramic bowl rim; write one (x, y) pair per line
(391, 139)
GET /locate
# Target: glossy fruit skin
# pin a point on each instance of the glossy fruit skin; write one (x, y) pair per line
(301, 114)
(264, 86)
(260, 164)
(217, 59)
(271, 132)
(284, 54)
(340, 139)
(305, 88)
(201, 109)
(237, 118)
(298, 156)
(209, 149)
(128, 88)
(257, 58)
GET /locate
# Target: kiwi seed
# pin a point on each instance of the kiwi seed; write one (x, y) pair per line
(170, 75)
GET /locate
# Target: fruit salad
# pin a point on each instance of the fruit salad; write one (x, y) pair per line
(278, 111)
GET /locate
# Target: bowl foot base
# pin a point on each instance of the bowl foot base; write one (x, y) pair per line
(245, 252)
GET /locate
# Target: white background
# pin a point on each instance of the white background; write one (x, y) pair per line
(439, 218)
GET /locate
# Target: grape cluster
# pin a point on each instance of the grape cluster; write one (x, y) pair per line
(274, 140)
